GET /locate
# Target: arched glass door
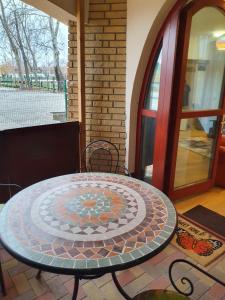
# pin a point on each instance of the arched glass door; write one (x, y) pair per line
(177, 139)
(200, 99)
(154, 106)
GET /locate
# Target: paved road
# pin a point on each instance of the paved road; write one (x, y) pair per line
(28, 108)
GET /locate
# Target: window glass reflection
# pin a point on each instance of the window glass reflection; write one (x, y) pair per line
(152, 97)
(195, 153)
(206, 61)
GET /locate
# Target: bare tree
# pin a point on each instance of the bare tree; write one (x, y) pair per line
(54, 30)
(31, 31)
(13, 46)
(22, 50)
(33, 61)
(31, 36)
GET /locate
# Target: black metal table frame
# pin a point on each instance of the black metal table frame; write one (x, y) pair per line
(186, 281)
(107, 270)
(2, 281)
(93, 274)
(90, 277)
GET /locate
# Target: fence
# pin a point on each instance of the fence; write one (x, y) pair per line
(41, 84)
(37, 104)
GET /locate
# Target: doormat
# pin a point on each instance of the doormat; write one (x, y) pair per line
(197, 243)
(207, 219)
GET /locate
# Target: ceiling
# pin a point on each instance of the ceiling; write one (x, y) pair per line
(64, 11)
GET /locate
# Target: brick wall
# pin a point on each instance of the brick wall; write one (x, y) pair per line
(105, 62)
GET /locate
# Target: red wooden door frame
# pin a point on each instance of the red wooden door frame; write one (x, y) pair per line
(166, 39)
(183, 43)
(168, 115)
(165, 95)
(142, 111)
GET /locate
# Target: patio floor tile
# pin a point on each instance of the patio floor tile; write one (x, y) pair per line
(21, 283)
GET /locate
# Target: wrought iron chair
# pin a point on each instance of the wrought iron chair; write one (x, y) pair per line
(8, 186)
(187, 287)
(100, 156)
(123, 170)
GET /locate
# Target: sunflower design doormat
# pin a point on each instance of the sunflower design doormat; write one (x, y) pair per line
(197, 243)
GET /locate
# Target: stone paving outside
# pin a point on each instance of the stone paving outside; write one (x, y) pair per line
(21, 283)
(21, 108)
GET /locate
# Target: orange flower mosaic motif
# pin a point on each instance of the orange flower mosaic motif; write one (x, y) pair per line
(97, 206)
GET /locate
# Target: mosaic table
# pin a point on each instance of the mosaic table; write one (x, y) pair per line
(87, 225)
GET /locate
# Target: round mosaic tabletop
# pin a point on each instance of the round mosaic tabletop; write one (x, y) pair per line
(87, 223)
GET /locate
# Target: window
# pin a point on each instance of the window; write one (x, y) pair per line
(148, 120)
(152, 96)
(33, 67)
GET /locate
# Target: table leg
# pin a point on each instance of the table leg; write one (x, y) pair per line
(2, 281)
(76, 287)
(38, 276)
(119, 287)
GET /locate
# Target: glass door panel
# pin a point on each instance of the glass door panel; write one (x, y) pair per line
(205, 62)
(201, 90)
(197, 140)
(147, 148)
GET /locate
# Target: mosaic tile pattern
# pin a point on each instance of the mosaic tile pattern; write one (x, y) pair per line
(86, 221)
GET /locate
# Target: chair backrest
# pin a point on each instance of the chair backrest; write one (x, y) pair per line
(101, 156)
(123, 171)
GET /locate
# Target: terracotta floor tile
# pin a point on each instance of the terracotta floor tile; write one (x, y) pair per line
(47, 296)
(11, 294)
(56, 287)
(217, 291)
(9, 264)
(7, 280)
(110, 292)
(125, 277)
(157, 259)
(21, 283)
(29, 295)
(92, 291)
(69, 285)
(160, 283)
(5, 256)
(137, 285)
(103, 280)
(39, 286)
